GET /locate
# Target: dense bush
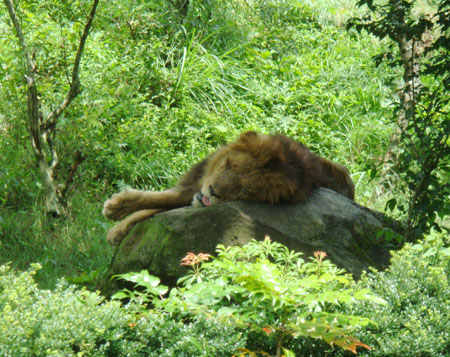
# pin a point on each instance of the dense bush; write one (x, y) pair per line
(240, 301)
(68, 321)
(416, 320)
(233, 305)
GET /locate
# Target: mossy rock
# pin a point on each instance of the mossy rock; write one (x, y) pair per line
(346, 231)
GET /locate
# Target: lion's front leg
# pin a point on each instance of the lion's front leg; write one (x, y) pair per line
(125, 203)
(117, 233)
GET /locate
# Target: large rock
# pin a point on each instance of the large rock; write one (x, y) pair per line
(327, 221)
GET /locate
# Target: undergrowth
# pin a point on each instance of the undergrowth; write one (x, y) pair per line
(260, 298)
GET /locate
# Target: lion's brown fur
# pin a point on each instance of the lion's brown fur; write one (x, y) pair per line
(262, 168)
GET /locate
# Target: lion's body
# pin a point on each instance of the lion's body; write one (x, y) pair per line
(262, 168)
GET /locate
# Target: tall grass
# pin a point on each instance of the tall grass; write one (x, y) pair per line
(69, 247)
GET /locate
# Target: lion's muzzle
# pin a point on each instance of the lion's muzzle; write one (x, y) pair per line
(202, 200)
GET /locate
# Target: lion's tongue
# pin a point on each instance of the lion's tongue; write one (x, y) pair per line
(206, 202)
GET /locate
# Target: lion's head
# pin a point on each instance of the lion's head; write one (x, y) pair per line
(251, 169)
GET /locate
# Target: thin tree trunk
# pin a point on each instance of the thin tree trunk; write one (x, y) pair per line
(52, 203)
(43, 131)
(411, 51)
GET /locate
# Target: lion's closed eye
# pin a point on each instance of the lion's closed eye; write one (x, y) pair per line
(212, 192)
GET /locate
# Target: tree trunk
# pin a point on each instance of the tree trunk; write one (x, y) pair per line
(52, 202)
(43, 128)
(408, 94)
(411, 51)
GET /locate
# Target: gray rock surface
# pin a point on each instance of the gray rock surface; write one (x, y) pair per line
(327, 221)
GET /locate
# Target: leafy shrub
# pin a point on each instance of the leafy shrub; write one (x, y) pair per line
(65, 321)
(248, 299)
(264, 289)
(417, 44)
(416, 319)
(68, 321)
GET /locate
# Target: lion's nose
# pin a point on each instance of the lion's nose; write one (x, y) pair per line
(199, 196)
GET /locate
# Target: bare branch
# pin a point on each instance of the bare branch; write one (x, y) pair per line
(74, 89)
(78, 159)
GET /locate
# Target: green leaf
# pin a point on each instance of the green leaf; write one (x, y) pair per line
(226, 310)
(120, 295)
(288, 353)
(147, 281)
(430, 252)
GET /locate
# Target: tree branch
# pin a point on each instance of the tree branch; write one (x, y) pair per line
(12, 14)
(74, 89)
(78, 159)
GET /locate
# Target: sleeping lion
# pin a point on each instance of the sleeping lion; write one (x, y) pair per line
(261, 168)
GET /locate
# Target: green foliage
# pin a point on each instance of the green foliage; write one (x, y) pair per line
(424, 164)
(40, 322)
(191, 83)
(245, 300)
(163, 85)
(68, 321)
(264, 288)
(416, 319)
(150, 283)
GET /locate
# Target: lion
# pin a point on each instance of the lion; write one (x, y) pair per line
(260, 168)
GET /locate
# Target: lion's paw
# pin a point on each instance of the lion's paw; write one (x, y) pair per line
(121, 205)
(116, 234)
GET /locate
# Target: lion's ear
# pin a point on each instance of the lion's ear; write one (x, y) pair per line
(248, 136)
(248, 142)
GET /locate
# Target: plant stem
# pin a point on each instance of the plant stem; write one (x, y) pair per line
(279, 345)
